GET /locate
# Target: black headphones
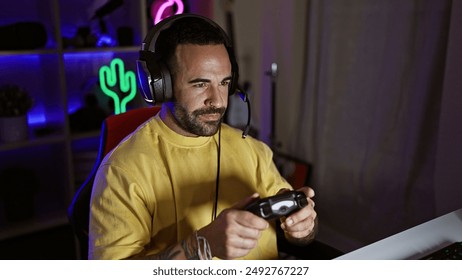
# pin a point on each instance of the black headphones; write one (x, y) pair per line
(153, 74)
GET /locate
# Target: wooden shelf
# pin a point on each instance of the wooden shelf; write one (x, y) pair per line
(103, 50)
(29, 52)
(47, 140)
(58, 79)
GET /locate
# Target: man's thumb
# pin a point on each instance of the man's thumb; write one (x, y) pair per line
(246, 201)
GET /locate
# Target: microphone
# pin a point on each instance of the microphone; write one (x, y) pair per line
(243, 95)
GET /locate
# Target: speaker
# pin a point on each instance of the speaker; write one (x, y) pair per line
(153, 74)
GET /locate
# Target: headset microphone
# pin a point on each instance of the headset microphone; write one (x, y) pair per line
(245, 97)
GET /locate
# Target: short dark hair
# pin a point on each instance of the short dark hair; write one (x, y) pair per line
(188, 30)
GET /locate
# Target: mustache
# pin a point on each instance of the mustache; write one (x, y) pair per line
(210, 110)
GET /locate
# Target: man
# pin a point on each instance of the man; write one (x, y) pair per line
(176, 187)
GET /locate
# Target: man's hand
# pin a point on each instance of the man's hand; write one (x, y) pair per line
(235, 232)
(300, 227)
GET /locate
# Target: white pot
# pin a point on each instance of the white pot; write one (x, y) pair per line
(14, 129)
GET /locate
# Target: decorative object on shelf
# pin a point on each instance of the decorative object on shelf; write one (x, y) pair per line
(161, 9)
(125, 36)
(23, 36)
(88, 118)
(18, 189)
(110, 76)
(105, 39)
(15, 102)
(84, 38)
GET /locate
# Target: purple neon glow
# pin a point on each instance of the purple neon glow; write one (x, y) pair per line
(158, 13)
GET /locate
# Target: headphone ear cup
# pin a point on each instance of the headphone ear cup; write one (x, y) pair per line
(154, 78)
(162, 83)
(144, 79)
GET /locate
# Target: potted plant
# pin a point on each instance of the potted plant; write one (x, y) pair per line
(15, 102)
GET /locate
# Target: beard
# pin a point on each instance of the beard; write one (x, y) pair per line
(190, 122)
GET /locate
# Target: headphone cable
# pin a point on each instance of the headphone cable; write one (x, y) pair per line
(217, 180)
(244, 98)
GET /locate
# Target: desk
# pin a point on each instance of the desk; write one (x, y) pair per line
(414, 243)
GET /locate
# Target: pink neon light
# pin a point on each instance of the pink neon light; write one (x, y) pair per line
(159, 14)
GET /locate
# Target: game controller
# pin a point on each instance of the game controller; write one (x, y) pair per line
(279, 205)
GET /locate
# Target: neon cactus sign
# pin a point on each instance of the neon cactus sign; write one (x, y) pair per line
(110, 76)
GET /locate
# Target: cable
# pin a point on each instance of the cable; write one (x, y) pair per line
(244, 98)
(217, 180)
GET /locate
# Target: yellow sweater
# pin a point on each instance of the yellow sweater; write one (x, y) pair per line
(157, 187)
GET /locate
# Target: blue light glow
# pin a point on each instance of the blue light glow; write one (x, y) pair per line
(88, 55)
(105, 40)
(36, 115)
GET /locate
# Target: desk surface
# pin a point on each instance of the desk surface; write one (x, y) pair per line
(414, 243)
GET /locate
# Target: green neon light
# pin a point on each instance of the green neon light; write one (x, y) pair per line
(127, 83)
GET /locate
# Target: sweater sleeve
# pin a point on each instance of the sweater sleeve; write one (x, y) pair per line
(269, 176)
(120, 222)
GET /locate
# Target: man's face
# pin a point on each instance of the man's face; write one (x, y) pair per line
(201, 81)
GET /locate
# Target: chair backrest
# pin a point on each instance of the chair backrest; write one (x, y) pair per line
(296, 171)
(113, 130)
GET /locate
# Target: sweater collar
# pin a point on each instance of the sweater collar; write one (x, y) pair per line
(178, 139)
